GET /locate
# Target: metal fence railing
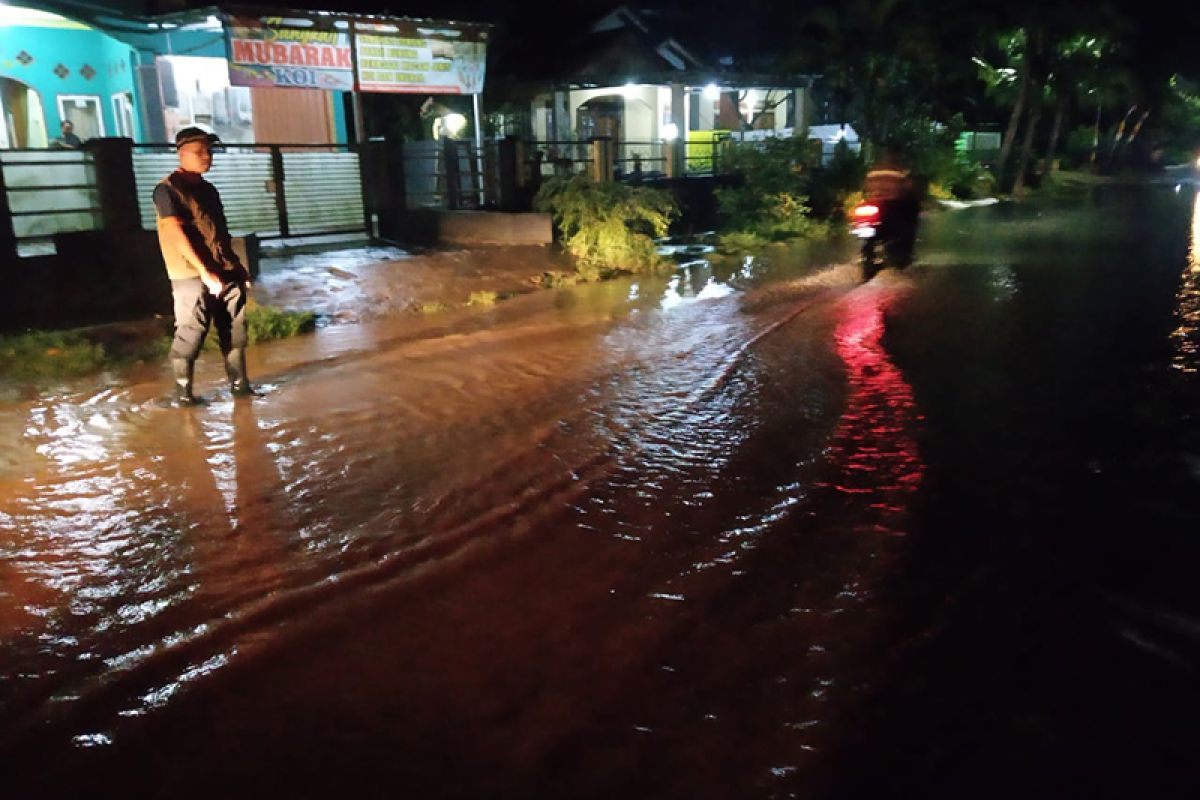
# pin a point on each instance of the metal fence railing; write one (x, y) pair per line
(270, 190)
(452, 174)
(49, 192)
(630, 160)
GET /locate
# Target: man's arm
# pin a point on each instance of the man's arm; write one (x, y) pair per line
(226, 244)
(173, 236)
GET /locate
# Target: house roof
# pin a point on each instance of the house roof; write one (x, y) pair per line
(637, 45)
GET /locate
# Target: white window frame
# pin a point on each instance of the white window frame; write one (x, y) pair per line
(122, 101)
(95, 98)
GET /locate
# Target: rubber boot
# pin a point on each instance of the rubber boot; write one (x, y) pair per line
(235, 368)
(184, 369)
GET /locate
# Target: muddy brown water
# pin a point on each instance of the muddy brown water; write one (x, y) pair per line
(751, 530)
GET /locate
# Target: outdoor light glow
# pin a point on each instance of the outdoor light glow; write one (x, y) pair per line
(712, 92)
(670, 131)
(454, 124)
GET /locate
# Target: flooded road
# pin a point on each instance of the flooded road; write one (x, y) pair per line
(751, 530)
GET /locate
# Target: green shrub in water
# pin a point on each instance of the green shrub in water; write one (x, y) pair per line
(49, 355)
(264, 323)
(608, 227)
(771, 201)
(483, 298)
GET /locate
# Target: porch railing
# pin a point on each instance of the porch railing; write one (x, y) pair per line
(628, 160)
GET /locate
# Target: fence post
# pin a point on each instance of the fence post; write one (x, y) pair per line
(602, 166)
(116, 187)
(450, 172)
(277, 178)
(373, 175)
(8, 236)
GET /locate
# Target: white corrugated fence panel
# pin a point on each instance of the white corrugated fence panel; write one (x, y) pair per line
(242, 178)
(323, 192)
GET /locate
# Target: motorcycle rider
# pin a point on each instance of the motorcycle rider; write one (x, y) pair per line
(890, 186)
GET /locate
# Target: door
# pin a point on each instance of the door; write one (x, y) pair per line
(122, 106)
(85, 113)
(21, 121)
(123, 113)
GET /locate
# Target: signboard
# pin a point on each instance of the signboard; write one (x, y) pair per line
(421, 56)
(278, 52)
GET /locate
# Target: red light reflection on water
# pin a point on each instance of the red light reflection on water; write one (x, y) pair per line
(874, 450)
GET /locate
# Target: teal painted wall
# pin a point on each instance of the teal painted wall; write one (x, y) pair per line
(111, 63)
(339, 116)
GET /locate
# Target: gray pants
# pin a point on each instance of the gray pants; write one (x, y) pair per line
(196, 309)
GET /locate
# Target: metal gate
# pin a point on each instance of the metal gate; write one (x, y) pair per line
(48, 192)
(273, 191)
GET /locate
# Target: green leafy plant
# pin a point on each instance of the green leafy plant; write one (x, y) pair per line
(265, 323)
(607, 227)
(557, 280)
(832, 186)
(49, 355)
(964, 179)
(483, 298)
(770, 201)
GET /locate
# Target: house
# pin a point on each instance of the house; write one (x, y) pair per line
(650, 81)
(55, 68)
(281, 88)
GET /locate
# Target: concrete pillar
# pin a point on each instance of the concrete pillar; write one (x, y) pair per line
(8, 237)
(678, 146)
(802, 107)
(563, 124)
(451, 172)
(112, 160)
(379, 193)
(602, 159)
(512, 173)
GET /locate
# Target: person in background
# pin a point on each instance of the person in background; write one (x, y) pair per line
(890, 186)
(67, 140)
(209, 283)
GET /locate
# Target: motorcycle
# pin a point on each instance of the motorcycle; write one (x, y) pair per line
(882, 245)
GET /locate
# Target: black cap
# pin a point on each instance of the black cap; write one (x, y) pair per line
(194, 134)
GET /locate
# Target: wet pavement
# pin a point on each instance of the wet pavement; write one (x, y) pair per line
(751, 530)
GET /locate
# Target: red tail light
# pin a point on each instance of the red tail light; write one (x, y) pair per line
(865, 211)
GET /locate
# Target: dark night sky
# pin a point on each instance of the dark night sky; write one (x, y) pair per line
(1164, 36)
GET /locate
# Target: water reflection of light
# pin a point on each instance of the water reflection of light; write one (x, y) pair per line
(1186, 337)
(1194, 239)
(874, 449)
(1004, 282)
(671, 296)
(679, 292)
(713, 290)
(747, 271)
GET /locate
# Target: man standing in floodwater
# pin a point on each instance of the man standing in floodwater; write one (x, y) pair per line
(209, 283)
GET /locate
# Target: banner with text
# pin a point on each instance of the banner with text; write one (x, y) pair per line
(421, 56)
(270, 52)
